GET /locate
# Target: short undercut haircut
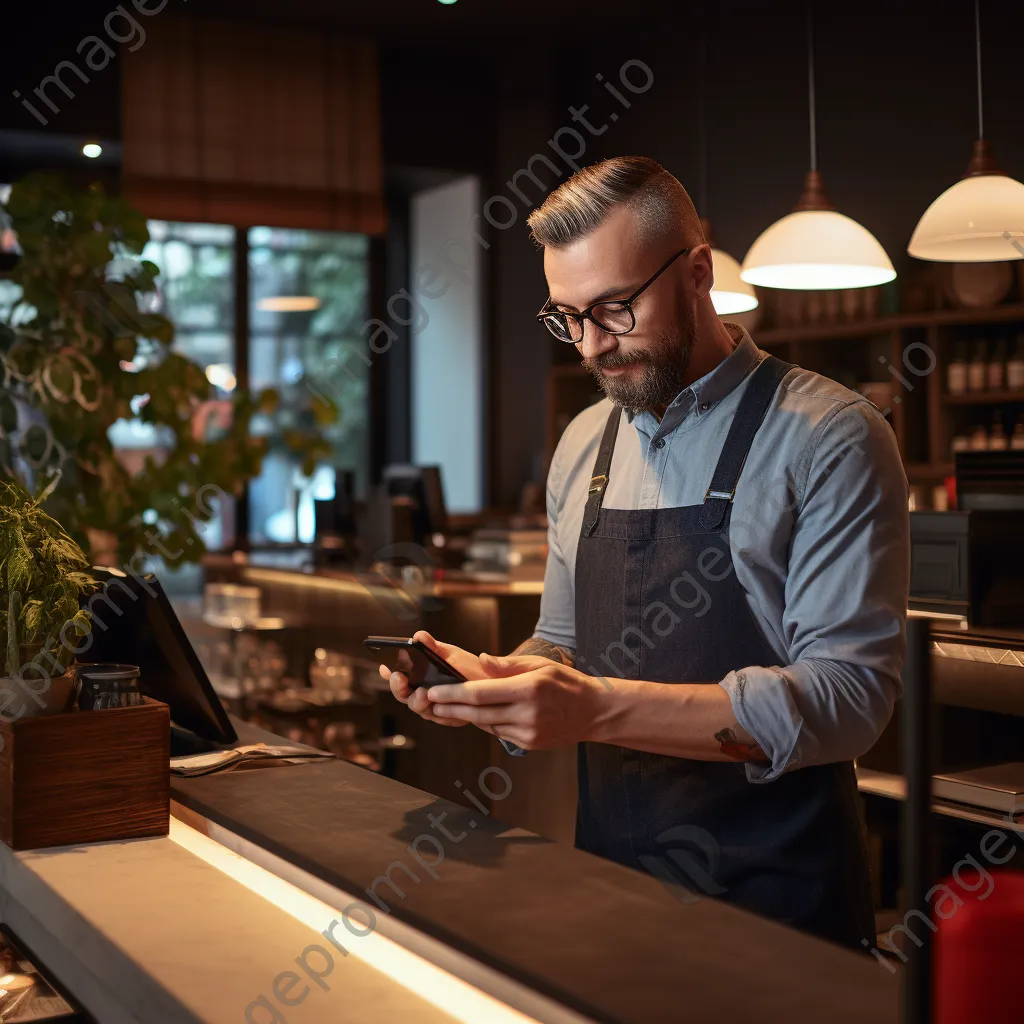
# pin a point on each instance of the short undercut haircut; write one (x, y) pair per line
(583, 201)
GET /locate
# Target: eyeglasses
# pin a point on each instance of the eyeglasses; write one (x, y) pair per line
(613, 317)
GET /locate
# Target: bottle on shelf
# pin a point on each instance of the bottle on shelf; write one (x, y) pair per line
(997, 439)
(1017, 439)
(956, 372)
(977, 368)
(1015, 367)
(961, 443)
(979, 439)
(997, 367)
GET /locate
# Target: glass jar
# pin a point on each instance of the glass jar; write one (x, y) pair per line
(108, 686)
(956, 372)
(977, 368)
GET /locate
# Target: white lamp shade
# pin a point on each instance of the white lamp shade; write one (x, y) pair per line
(816, 249)
(731, 294)
(971, 221)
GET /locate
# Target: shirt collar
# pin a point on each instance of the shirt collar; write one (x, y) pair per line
(704, 394)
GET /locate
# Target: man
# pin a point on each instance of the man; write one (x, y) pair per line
(722, 625)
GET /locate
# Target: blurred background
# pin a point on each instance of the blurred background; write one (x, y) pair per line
(328, 405)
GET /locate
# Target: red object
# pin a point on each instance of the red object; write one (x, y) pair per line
(979, 949)
(950, 484)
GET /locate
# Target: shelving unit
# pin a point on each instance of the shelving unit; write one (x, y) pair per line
(910, 350)
(894, 787)
(984, 398)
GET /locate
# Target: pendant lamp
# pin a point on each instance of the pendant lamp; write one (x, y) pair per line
(296, 300)
(815, 246)
(730, 294)
(978, 219)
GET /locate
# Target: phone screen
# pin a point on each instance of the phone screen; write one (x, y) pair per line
(410, 658)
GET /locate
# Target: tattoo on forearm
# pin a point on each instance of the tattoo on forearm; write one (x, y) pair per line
(732, 746)
(563, 655)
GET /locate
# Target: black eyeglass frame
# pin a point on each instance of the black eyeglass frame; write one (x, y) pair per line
(587, 314)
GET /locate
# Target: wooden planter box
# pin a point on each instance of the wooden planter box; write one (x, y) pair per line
(85, 776)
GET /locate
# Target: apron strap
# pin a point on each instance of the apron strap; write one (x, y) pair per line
(745, 424)
(603, 463)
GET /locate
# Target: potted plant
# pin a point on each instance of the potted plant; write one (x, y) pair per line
(83, 348)
(43, 574)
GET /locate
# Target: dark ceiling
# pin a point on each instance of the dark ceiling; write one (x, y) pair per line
(487, 20)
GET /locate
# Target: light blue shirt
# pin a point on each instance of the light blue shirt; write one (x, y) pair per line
(820, 537)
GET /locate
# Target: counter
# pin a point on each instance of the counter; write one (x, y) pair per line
(471, 922)
(582, 934)
(151, 931)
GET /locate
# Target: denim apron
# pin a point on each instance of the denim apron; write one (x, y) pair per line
(657, 599)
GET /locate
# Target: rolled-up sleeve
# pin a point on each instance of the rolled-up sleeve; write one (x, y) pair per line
(845, 605)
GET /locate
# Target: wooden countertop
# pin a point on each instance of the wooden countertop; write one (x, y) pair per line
(606, 942)
(452, 585)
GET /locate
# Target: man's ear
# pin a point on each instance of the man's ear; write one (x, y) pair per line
(703, 270)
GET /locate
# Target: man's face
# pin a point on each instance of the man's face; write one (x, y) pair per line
(646, 368)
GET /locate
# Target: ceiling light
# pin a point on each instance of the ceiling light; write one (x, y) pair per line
(220, 375)
(92, 150)
(288, 303)
(731, 294)
(446, 2)
(978, 219)
(815, 247)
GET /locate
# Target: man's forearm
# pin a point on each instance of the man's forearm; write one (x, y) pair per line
(545, 649)
(693, 720)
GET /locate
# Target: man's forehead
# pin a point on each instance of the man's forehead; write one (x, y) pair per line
(588, 267)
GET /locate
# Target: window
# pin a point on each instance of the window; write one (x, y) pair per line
(309, 295)
(196, 292)
(308, 298)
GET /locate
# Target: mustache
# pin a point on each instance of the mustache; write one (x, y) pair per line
(613, 360)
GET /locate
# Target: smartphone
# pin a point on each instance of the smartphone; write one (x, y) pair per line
(422, 667)
(414, 659)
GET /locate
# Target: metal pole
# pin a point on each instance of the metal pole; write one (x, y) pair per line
(918, 874)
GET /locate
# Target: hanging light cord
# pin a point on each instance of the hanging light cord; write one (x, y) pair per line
(810, 85)
(702, 131)
(977, 48)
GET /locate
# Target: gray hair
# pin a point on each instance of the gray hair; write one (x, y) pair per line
(583, 201)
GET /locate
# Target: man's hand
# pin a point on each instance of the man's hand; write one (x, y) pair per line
(538, 704)
(416, 699)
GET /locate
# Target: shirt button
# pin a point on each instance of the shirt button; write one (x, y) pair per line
(659, 443)
(704, 406)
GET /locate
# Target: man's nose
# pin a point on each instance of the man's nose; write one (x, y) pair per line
(595, 342)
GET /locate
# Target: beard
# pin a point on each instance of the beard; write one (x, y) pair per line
(662, 375)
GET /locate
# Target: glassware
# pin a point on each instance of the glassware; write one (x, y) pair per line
(977, 368)
(1015, 367)
(229, 604)
(1017, 440)
(331, 671)
(956, 372)
(997, 366)
(108, 686)
(997, 439)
